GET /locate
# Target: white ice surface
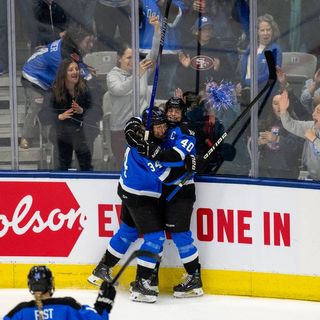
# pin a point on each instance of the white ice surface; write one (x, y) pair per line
(211, 307)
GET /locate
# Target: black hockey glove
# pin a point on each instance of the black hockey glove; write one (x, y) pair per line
(149, 149)
(105, 298)
(133, 131)
(194, 163)
(228, 152)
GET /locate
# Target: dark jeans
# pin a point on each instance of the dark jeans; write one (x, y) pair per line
(71, 139)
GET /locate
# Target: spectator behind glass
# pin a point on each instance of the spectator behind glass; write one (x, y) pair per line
(51, 20)
(45, 306)
(297, 107)
(69, 102)
(194, 8)
(268, 34)
(226, 28)
(39, 72)
(310, 91)
(309, 130)
(208, 129)
(120, 83)
(172, 42)
(3, 38)
(279, 150)
(204, 59)
(110, 16)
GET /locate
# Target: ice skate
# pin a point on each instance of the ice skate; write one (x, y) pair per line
(100, 273)
(154, 280)
(141, 291)
(190, 287)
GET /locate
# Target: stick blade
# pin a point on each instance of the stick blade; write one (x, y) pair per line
(271, 65)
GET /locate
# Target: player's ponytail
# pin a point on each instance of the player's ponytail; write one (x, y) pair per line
(38, 300)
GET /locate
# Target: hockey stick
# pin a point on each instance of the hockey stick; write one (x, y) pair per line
(244, 127)
(164, 26)
(207, 156)
(134, 254)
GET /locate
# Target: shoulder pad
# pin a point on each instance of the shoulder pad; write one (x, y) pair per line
(21, 306)
(186, 130)
(67, 301)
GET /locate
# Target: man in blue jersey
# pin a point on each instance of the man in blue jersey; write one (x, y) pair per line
(39, 72)
(44, 306)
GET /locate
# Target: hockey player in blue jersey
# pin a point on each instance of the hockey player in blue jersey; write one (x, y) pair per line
(44, 306)
(139, 188)
(177, 148)
(179, 142)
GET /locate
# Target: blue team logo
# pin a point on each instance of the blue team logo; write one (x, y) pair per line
(201, 63)
(37, 276)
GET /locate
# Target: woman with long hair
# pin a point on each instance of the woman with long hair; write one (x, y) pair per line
(70, 101)
(120, 84)
(40, 70)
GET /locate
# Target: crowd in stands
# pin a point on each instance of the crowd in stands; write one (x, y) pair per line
(206, 42)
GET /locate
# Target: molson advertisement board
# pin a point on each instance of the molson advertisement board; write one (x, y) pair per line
(248, 236)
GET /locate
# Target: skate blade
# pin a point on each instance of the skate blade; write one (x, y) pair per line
(138, 297)
(189, 294)
(94, 280)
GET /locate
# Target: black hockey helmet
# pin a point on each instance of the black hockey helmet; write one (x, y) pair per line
(158, 116)
(40, 279)
(177, 103)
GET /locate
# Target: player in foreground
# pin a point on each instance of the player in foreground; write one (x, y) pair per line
(44, 306)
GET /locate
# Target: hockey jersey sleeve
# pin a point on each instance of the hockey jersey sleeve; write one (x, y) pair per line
(89, 313)
(179, 143)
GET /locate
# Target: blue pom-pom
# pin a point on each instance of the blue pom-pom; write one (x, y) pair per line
(221, 96)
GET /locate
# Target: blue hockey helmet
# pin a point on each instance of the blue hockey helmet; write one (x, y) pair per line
(40, 279)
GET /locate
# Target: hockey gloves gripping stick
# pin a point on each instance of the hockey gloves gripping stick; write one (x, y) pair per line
(134, 137)
(207, 156)
(164, 25)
